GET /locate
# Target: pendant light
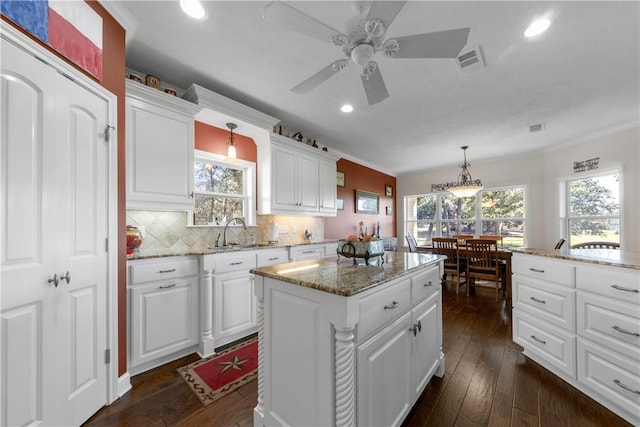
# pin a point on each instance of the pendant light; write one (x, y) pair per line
(466, 186)
(231, 149)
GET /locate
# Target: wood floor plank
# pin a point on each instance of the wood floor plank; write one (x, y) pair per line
(501, 410)
(526, 390)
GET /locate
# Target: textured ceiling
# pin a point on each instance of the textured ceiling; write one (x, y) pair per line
(580, 78)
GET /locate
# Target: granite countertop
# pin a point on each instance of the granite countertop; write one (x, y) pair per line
(344, 278)
(214, 250)
(613, 257)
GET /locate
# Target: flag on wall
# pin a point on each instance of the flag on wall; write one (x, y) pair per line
(72, 28)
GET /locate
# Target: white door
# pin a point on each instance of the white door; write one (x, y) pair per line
(54, 210)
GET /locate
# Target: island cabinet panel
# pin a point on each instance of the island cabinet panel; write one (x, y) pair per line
(580, 318)
(332, 355)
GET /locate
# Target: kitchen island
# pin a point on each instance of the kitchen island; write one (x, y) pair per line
(577, 313)
(343, 344)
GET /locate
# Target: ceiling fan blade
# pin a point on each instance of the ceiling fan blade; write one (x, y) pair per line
(374, 87)
(320, 77)
(386, 11)
(441, 44)
(290, 18)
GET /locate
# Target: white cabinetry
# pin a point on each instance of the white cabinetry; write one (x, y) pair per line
(359, 360)
(234, 304)
(273, 256)
(303, 252)
(302, 180)
(582, 321)
(160, 144)
(163, 310)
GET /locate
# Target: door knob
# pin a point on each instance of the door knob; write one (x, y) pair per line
(54, 280)
(66, 277)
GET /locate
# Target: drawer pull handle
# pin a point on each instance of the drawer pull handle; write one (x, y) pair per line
(624, 331)
(274, 258)
(308, 252)
(428, 284)
(392, 306)
(167, 271)
(538, 339)
(620, 288)
(541, 301)
(619, 384)
(535, 270)
(168, 286)
(235, 263)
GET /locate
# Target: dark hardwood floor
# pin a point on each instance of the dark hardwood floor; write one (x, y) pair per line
(488, 382)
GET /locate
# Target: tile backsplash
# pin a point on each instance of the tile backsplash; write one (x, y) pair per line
(169, 232)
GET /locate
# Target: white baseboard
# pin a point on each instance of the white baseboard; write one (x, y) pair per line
(124, 384)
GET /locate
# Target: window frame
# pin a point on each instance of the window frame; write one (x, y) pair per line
(477, 220)
(566, 217)
(248, 188)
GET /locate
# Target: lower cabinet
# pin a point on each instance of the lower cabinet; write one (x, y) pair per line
(163, 311)
(395, 365)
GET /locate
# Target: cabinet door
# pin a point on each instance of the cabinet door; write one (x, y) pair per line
(234, 307)
(384, 376)
(160, 145)
(426, 342)
(307, 176)
(163, 319)
(284, 180)
(327, 186)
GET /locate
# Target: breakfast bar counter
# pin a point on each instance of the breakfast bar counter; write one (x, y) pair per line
(347, 344)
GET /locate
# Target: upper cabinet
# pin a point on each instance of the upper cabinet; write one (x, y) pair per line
(303, 179)
(160, 146)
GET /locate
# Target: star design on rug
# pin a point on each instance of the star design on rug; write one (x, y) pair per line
(236, 363)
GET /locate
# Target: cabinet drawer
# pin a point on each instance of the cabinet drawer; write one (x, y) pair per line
(613, 376)
(234, 262)
(161, 269)
(556, 347)
(542, 268)
(620, 283)
(271, 257)
(383, 306)
(612, 323)
(300, 253)
(424, 284)
(552, 303)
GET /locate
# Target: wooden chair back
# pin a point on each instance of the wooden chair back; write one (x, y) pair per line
(492, 237)
(482, 262)
(462, 238)
(596, 245)
(453, 264)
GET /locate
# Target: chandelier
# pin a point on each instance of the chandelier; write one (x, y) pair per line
(466, 186)
(231, 150)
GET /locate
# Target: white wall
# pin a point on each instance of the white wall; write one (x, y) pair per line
(541, 172)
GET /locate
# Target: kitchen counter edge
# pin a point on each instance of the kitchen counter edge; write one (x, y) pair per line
(612, 257)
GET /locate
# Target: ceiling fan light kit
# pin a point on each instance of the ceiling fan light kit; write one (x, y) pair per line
(363, 38)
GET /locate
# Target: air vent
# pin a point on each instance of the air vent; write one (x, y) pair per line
(536, 128)
(471, 60)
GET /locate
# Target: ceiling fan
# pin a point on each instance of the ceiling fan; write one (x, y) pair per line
(364, 37)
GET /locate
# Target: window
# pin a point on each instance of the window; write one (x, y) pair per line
(593, 209)
(223, 190)
(495, 212)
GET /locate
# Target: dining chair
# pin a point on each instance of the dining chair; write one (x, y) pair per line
(483, 264)
(462, 238)
(596, 245)
(411, 241)
(455, 264)
(492, 237)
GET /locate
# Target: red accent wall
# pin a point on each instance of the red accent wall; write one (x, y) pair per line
(358, 177)
(214, 140)
(114, 63)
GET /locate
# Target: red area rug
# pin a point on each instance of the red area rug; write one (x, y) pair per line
(215, 376)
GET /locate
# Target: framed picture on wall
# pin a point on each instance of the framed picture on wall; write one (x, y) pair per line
(389, 210)
(340, 179)
(367, 203)
(388, 191)
(340, 204)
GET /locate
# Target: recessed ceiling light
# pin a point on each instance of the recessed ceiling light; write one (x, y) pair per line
(193, 8)
(537, 27)
(346, 108)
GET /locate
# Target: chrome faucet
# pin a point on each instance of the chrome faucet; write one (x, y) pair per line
(224, 233)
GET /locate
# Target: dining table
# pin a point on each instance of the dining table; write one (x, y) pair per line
(503, 254)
